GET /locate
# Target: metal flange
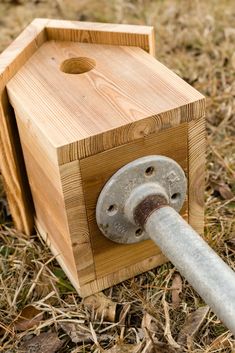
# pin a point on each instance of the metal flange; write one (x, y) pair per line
(130, 185)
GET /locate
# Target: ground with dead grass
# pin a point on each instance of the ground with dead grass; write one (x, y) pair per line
(157, 311)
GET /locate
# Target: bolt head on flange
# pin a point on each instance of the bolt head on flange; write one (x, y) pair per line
(129, 186)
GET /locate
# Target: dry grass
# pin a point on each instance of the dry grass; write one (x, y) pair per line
(197, 40)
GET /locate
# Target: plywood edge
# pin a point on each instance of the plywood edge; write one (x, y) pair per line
(130, 132)
(196, 167)
(122, 275)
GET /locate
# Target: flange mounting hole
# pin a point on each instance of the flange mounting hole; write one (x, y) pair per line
(112, 210)
(77, 65)
(138, 232)
(149, 171)
(175, 197)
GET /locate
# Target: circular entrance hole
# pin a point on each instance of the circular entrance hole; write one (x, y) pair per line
(78, 65)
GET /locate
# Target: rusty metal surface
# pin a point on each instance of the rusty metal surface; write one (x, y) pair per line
(144, 209)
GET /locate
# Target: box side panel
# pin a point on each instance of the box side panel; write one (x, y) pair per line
(45, 184)
(77, 221)
(196, 167)
(111, 257)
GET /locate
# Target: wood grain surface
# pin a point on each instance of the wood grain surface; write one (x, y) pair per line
(103, 33)
(96, 170)
(196, 167)
(12, 168)
(122, 274)
(77, 112)
(88, 98)
(11, 60)
(77, 221)
(46, 188)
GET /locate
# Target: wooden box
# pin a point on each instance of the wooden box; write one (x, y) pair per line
(78, 101)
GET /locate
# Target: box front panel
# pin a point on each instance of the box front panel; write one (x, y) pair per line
(110, 257)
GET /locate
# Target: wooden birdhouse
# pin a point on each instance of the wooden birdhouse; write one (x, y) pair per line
(78, 101)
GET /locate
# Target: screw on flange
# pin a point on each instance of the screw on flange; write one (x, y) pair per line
(146, 176)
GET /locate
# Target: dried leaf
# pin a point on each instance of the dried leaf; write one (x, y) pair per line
(125, 348)
(44, 343)
(152, 346)
(176, 290)
(102, 306)
(28, 318)
(192, 324)
(222, 188)
(75, 332)
(149, 323)
(163, 348)
(81, 334)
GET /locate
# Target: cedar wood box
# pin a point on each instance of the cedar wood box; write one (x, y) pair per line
(64, 135)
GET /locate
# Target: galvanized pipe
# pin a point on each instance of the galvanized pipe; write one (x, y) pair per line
(140, 201)
(196, 261)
